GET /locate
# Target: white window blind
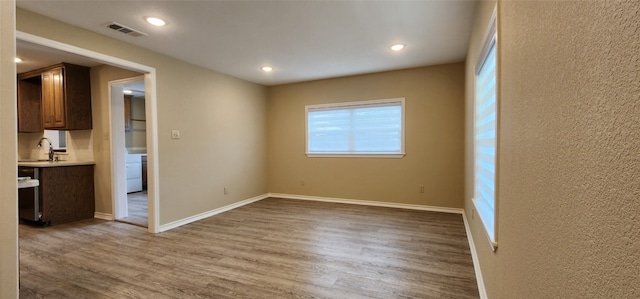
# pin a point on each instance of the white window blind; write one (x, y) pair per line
(367, 128)
(485, 125)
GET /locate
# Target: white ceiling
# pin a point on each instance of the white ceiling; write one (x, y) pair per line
(302, 40)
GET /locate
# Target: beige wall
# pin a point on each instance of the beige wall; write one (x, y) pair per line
(100, 105)
(570, 143)
(434, 139)
(222, 122)
(8, 155)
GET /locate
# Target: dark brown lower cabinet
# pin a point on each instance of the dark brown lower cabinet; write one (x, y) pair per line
(67, 193)
(144, 172)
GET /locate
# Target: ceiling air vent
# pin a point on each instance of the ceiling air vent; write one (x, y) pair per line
(124, 29)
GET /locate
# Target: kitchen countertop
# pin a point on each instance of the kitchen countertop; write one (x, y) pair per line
(136, 152)
(31, 163)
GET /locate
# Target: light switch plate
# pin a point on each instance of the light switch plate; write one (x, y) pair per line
(175, 134)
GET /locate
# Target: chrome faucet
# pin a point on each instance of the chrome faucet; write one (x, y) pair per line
(50, 147)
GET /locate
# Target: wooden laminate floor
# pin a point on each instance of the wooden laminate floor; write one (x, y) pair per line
(137, 209)
(274, 248)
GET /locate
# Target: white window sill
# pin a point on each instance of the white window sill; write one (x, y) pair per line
(392, 156)
(485, 213)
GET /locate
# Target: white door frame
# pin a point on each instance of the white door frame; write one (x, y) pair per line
(151, 110)
(118, 168)
(117, 145)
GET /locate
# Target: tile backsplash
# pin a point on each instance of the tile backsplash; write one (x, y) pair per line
(79, 146)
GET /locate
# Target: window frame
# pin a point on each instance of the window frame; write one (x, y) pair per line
(356, 104)
(488, 216)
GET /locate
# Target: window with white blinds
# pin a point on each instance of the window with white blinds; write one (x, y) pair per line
(366, 128)
(485, 141)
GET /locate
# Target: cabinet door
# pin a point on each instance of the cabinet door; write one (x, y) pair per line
(65, 91)
(127, 113)
(53, 99)
(67, 193)
(144, 172)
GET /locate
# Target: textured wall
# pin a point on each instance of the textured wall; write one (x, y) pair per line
(569, 223)
(8, 155)
(434, 104)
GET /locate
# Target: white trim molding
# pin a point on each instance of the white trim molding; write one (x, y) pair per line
(194, 218)
(28, 37)
(103, 216)
(474, 254)
(369, 203)
(151, 113)
(476, 261)
(181, 222)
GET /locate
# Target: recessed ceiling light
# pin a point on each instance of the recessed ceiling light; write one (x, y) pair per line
(18, 60)
(266, 69)
(155, 21)
(126, 91)
(397, 47)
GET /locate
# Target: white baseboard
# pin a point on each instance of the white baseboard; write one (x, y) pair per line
(181, 222)
(103, 216)
(370, 203)
(474, 254)
(472, 247)
(476, 261)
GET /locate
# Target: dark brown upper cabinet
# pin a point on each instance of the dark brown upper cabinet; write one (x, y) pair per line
(64, 92)
(29, 105)
(127, 112)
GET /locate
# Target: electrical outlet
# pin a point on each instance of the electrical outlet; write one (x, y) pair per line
(175, 134)
(421, 188)
(226, 190)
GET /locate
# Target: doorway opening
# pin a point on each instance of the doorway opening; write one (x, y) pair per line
(129, 136)
(151, 126)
